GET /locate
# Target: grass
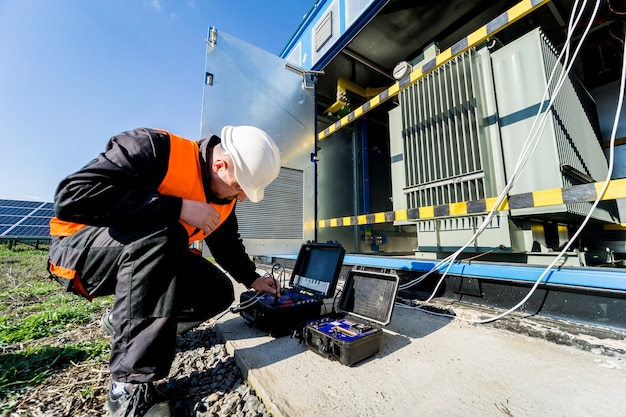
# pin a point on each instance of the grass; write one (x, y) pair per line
(34, 365)
(35, 314)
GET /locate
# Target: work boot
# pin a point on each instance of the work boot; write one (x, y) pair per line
(137, 400)
(106, 323)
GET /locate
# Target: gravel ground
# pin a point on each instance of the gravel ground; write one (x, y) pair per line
(203, 382)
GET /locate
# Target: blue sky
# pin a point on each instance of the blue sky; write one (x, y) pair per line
(73, 73)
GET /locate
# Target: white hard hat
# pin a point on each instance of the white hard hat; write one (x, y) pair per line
(256, 158)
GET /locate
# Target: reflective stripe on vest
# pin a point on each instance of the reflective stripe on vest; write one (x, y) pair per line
(73, 280)
(60, 227)
(183, 179)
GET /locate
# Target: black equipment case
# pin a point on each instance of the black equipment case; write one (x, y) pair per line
(366, 304)
(314, 278)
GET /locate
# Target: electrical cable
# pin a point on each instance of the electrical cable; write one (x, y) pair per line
(523, 158)
(281, 274)
(338, 294)
(595, 203)
(258, 295)
(530, 142)
(585, 221)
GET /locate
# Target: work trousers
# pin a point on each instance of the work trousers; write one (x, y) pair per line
(157, 282)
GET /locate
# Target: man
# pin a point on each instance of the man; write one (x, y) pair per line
(123, 226)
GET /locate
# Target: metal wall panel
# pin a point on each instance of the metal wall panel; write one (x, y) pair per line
(280, 214)
(246, 85)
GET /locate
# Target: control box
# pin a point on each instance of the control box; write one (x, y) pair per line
(365, 306)
(314, 278)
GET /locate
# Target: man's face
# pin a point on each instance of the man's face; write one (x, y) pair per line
(223, 182)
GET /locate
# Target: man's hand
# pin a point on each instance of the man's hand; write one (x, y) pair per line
(200, 215)
(267, 284)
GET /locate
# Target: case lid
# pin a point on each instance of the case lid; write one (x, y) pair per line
(317, 268)
(369, 295)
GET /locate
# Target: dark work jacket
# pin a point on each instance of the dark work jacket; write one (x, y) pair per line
(120, 189)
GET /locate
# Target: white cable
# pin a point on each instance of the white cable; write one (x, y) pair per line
(524, 157)
(586, 220)
(528, 149)
(573, 23)
(532, 137)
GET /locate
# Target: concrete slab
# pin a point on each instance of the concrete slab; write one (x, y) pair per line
(431, 366)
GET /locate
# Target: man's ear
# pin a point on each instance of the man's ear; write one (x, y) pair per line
(218, 164)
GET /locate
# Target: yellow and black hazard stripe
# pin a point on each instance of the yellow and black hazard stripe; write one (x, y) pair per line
(542, 198)
(515, 13)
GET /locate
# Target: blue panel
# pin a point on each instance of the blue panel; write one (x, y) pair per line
(604, 278)
(29, 231)
(44, 212)
(19, 203)
(9, 220)
(25, 219)
(304, 33)
(15, 211)
(598, 278)
(36, 221)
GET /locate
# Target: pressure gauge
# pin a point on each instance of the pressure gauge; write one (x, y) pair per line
(401, 70)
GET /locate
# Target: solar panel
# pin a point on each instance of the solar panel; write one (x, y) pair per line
(17, 203)
(25, 220)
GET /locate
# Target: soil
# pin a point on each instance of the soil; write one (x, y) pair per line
(203, 381)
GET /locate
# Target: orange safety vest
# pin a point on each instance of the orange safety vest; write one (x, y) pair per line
(183, 179)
